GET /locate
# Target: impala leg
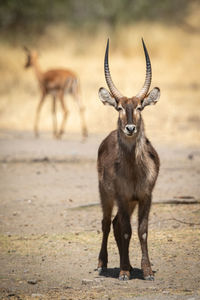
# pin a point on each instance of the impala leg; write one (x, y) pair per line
(54, 117)
(65, 114)
(83, 123)
(76, 95)
(82, 116)
(107, 206)
(38, 115)
(143, 215)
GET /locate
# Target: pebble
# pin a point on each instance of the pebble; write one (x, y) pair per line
(98, 280)
(32, 281)
(36, 295)
(66, 287)
(87, 281)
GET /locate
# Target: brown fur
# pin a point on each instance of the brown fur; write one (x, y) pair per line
(128, 167)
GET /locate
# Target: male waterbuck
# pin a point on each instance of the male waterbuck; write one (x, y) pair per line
(128, 167)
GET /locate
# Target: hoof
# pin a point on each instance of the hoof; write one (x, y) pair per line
(149, 278)
(124, 275)
(101, 270)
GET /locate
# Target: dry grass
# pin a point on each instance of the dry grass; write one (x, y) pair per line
(174, 54)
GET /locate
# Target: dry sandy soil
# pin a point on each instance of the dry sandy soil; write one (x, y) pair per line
(50, 223)
(50, 218)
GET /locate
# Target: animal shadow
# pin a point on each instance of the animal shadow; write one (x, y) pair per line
(114, 273)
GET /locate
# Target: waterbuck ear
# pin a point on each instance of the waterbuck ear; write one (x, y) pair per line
(106, 97)
(152, 97)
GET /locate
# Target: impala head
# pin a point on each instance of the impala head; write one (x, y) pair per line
(31, 57)
(129, 108)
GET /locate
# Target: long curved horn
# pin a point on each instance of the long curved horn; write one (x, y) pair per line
(142, 93)
(109, 81)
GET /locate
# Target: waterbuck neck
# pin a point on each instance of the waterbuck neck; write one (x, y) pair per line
(131, 145)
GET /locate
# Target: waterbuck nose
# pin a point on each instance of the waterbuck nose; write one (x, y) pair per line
(130, 128)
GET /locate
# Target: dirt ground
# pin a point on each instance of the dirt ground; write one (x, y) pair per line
(50, 223)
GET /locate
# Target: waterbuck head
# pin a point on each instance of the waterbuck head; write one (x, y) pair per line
(31, 57)
(129, 108)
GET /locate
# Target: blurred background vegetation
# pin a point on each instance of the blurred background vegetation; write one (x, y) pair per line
(72, 34)
(34, 15)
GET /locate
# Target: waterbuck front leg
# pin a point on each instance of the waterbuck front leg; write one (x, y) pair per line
(119, 236)
(117, 233)
(126, 232)
(107, 206)
(143, 216)
(125, 267)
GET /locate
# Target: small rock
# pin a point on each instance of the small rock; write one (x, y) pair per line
(36, 295)
(32, 281)
(12, 251)
(176, 226)
(98, 289)
(99, 280)
(66, 287)
(86, 281)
